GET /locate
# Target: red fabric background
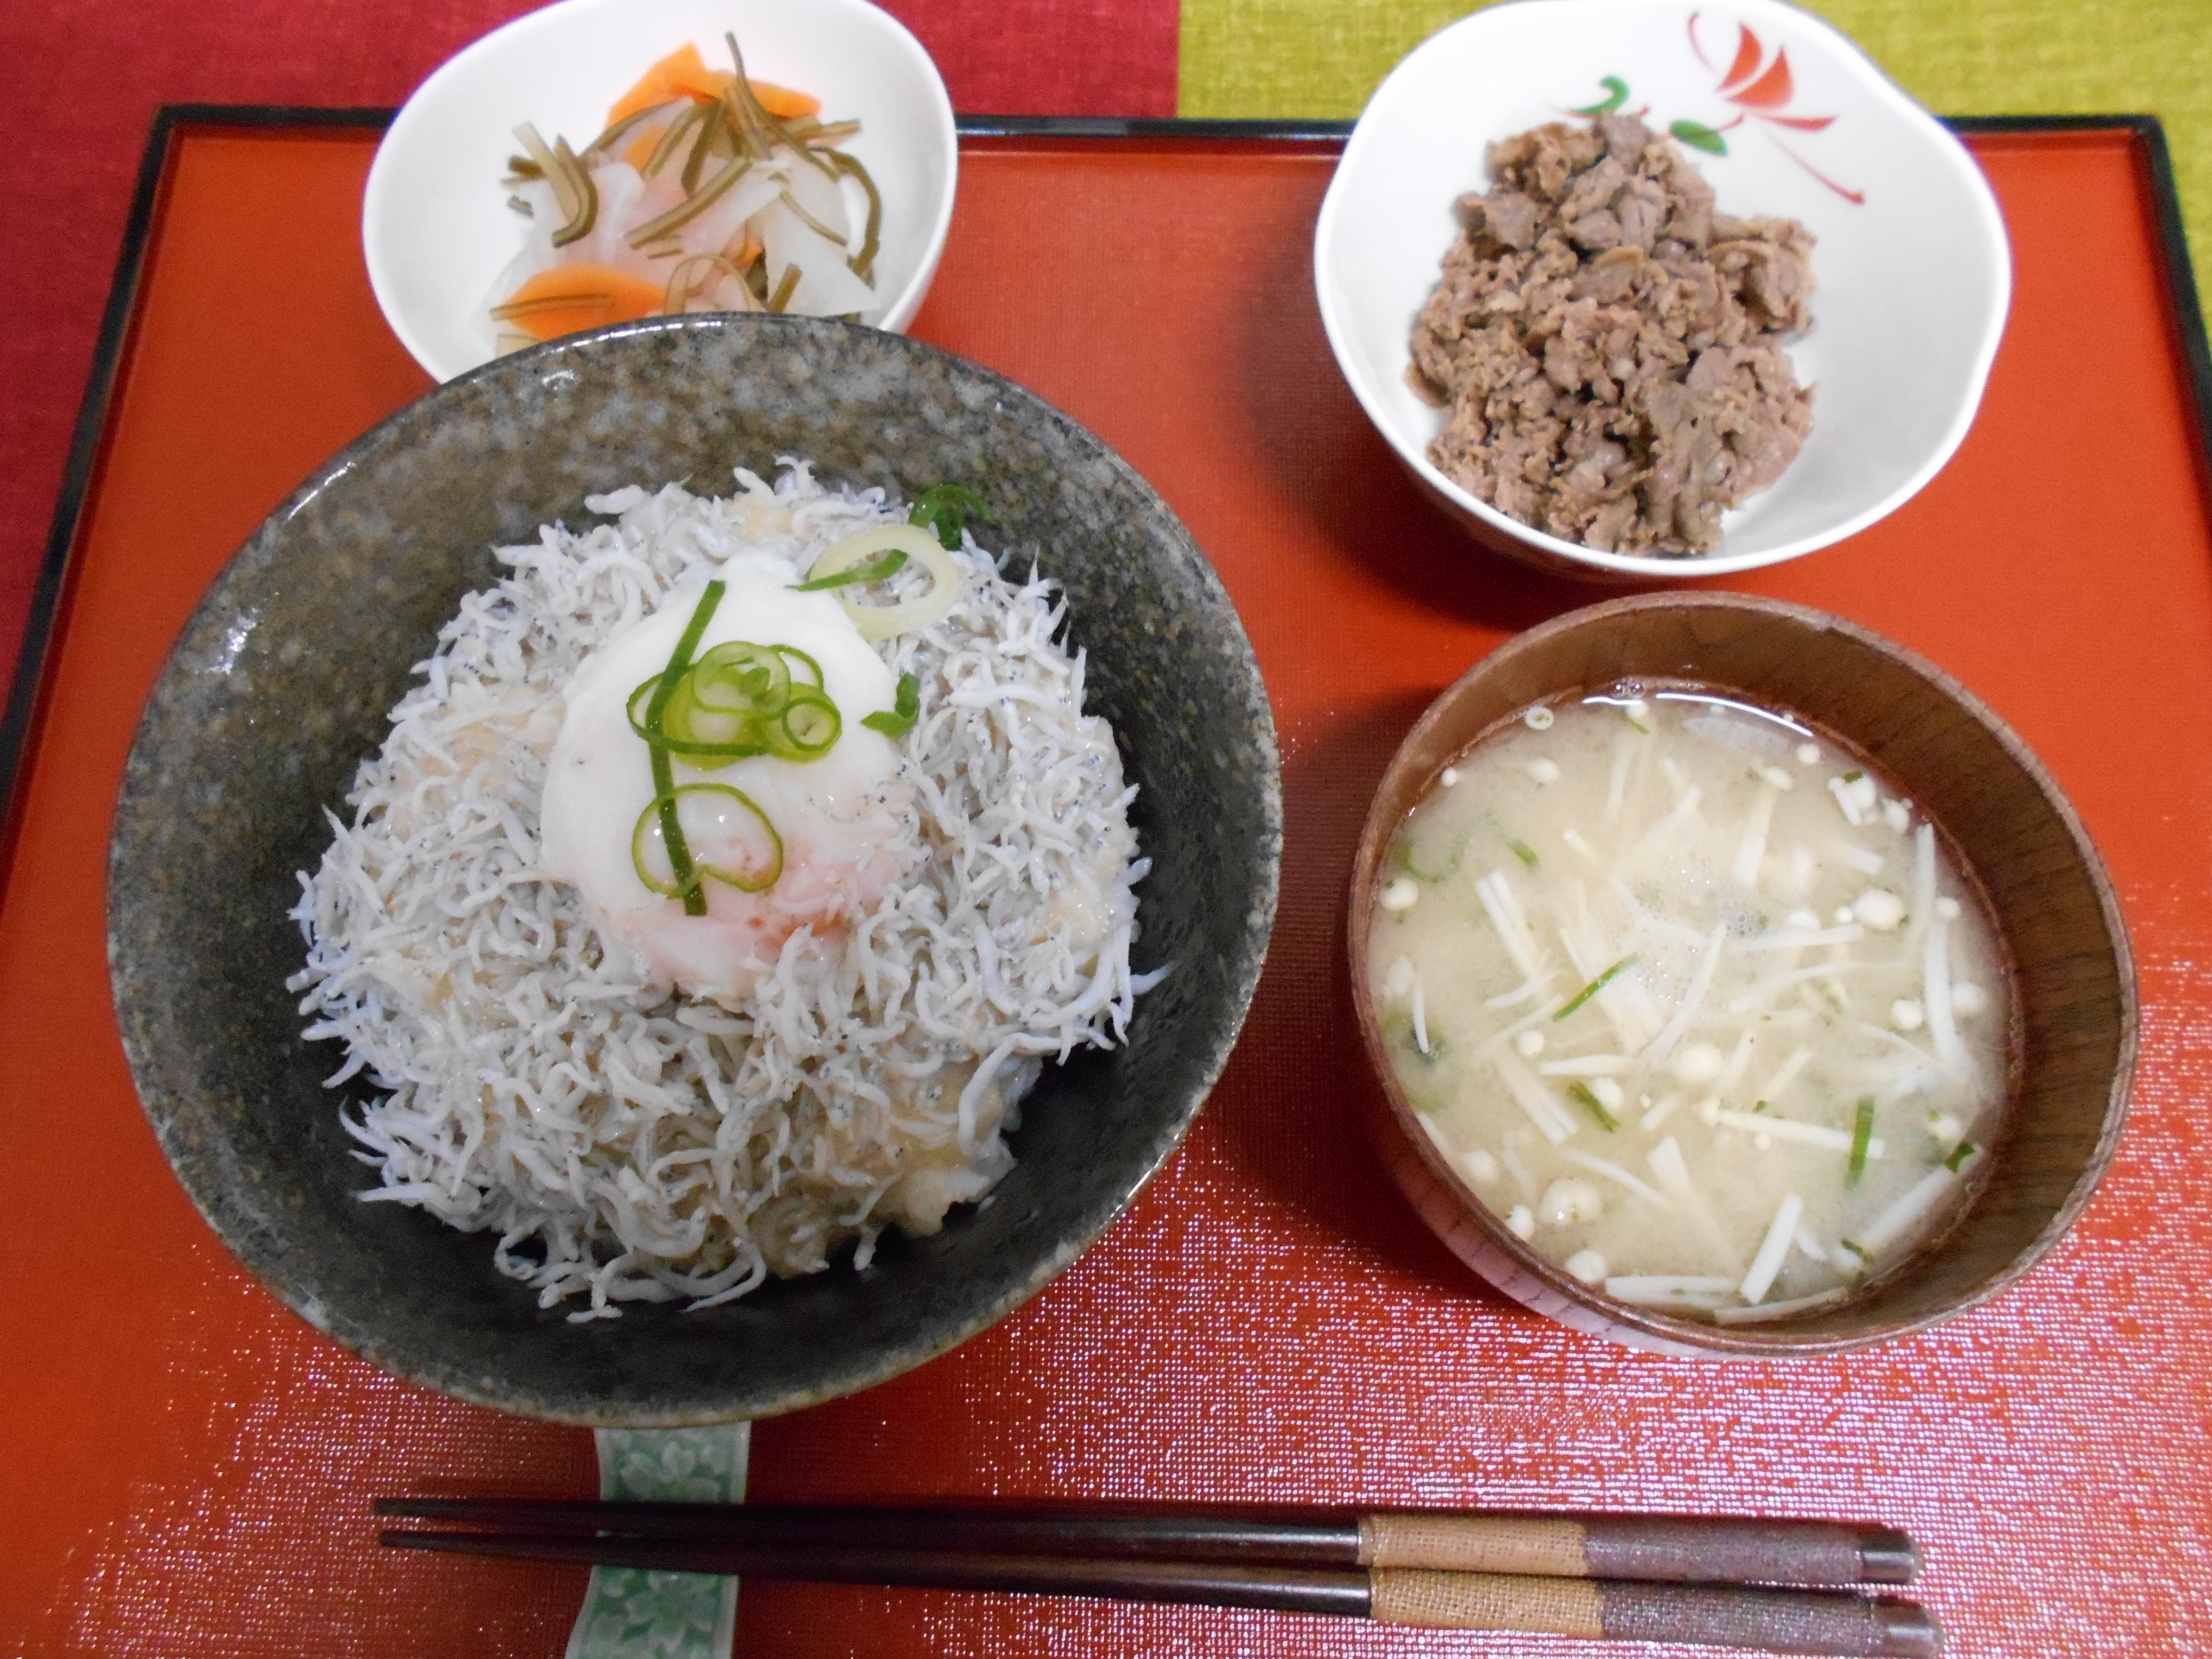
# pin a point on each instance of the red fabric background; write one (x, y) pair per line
(80, 81)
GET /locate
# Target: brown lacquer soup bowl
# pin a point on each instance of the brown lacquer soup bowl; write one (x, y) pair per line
(2070, 1042)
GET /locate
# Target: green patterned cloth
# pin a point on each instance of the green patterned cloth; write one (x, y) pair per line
(1323, 57)
(632, 1614)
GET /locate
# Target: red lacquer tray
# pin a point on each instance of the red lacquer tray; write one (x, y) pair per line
(187, 1466)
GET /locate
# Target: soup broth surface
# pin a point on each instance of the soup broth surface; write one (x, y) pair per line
(1692, 1000)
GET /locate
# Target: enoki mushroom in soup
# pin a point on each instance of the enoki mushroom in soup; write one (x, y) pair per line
(1703, 1010)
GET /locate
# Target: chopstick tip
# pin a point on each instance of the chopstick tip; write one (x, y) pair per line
(1909, 1631)
(1887, 1556)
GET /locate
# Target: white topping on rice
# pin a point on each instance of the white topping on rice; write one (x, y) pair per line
(626, 1143)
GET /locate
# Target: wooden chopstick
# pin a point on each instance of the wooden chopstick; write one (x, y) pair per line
(1767, 1620)
(1671, 1548)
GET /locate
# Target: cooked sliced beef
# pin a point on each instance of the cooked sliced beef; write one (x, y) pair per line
(1608, 346)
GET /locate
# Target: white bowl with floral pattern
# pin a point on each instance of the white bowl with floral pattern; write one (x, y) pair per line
(1784, 116)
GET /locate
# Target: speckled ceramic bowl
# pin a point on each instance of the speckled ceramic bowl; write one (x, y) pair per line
(281, 684)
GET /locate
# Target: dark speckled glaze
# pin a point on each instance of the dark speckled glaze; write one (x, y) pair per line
(281, 684)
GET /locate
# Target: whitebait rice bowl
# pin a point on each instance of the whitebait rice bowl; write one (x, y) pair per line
(527, 1058)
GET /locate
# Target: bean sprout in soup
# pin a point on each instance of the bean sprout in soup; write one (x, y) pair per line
(1692, 1000)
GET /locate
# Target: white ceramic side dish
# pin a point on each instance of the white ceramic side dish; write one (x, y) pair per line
(435, 228)
(1784, 116)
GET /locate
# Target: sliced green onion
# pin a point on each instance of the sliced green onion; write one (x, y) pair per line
(1583, 1096)
(807, 729)
(686, 729)
(906, 708)
(1862, 1138)
(653, 827)
(740, 700)
(1411, 864)
(874, 571)
(742, 678)
(944, 510)
(1522, 851)
(1593, 988)
(881, 622)
(1959, 1154)
(1399, 1029)
(663, 805)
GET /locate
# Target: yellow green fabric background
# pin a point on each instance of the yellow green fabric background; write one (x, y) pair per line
(1323, 57)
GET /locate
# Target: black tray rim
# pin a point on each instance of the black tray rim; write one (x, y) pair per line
(19, 725)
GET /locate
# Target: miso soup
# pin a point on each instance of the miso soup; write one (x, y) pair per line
(1693, 1000)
